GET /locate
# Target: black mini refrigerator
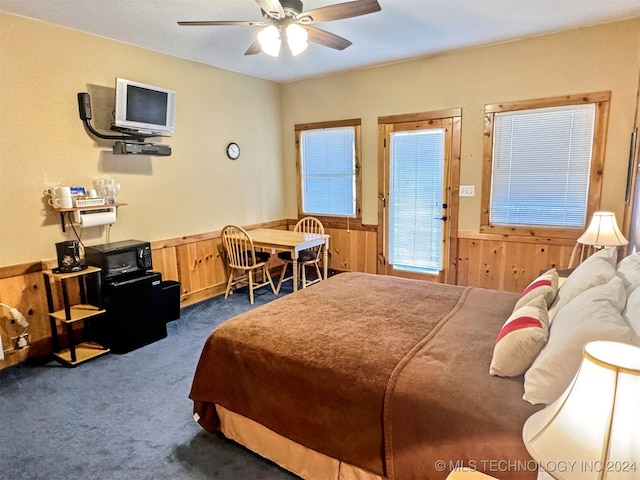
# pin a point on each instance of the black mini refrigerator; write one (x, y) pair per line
(134, 312)
(130, 292)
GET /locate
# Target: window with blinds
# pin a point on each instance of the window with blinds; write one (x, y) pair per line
(328, 171)
(541, 166)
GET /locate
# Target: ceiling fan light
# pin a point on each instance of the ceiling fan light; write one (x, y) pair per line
(297, 38)
(269, 39)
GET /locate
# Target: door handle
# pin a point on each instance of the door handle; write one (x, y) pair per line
(443, 218)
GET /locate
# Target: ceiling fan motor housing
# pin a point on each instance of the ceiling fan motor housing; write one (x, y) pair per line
(292, 8)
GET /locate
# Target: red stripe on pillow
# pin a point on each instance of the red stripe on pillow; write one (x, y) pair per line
(534, 285)
(518, 324)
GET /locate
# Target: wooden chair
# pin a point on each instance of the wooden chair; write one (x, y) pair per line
(308, 257)
(244, 261)
(579, 254)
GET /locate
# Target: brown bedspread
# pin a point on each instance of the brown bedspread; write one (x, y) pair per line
(387, 374)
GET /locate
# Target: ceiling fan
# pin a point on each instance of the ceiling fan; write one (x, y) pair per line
(285, 19)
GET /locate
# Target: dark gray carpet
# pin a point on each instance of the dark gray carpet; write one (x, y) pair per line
(124, 416)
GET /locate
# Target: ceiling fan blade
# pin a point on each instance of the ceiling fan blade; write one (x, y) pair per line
(210, 23)
(273, 8)
(327, 39)
(254, 48)
(339, 11)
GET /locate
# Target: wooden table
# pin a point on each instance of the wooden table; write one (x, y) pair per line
(290, 241)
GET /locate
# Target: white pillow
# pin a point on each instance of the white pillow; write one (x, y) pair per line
(629, 270)
(631, 312)
(596, 270)
(593, 315)
(520, 339)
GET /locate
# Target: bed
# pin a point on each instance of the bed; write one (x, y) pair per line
(368, 376)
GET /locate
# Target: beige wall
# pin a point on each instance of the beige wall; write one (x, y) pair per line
(43, 142)
(605, 57)
(197, 189)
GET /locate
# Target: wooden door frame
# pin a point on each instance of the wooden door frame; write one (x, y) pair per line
(454, 116)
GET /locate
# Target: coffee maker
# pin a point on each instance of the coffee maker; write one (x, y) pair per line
(68, 257)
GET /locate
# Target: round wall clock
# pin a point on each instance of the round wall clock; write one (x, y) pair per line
(233, 151)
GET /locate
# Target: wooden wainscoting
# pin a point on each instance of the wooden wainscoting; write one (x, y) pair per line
(494, 261)
(485, 260)
(509, 263)
(352, 250)
(22, 287)
(197, 262)
(352, 246)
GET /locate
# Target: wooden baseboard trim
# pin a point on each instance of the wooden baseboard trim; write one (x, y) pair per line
(201, 295)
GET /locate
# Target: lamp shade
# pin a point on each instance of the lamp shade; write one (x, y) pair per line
(603, 231)
(592, 432)
(269, 39)
(297, 38)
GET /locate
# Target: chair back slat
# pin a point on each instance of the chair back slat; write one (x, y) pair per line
(579, 254)
(308, 257)
(238, 246)
(241, 259)
(310, 225)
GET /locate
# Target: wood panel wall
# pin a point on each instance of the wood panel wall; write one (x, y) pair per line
(508, 263)
(195, 261)
(484, 260)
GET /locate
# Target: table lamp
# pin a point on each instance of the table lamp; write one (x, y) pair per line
(592, 432)
(603, 231)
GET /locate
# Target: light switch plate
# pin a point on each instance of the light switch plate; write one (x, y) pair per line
(467, 190)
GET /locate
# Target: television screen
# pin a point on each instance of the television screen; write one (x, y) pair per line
(143, 108)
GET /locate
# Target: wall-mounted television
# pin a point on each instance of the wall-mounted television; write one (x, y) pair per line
(143, 108)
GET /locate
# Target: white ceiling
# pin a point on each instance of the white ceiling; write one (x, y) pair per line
(403, 29)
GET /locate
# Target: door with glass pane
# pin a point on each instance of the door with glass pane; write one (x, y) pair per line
(416, 198)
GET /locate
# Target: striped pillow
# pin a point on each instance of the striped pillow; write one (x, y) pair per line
(545, 285)
(521, 338)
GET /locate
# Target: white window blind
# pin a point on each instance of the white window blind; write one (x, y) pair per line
(328, 171)
(415, 200)
(541, 166)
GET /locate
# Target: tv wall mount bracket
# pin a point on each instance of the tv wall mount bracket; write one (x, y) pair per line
(122, 146)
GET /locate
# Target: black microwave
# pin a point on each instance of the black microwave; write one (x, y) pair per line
(127, 258)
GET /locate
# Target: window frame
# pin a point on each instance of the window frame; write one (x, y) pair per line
(601, 100)
(356, 124)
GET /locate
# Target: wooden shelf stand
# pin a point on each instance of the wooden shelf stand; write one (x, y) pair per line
(69, 314)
